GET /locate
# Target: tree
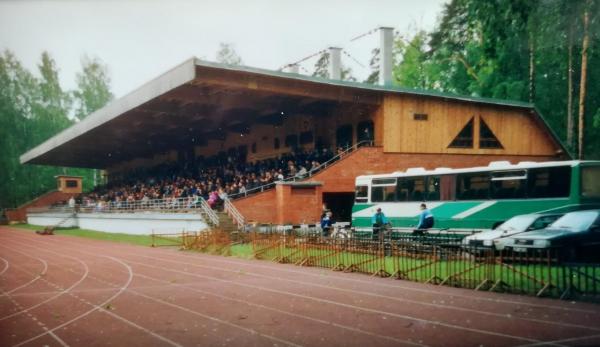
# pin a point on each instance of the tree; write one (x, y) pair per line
(582, 86)
(93, 85)
(373, 77)
(227, 55)
(322, 65)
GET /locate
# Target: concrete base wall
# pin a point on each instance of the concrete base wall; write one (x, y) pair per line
(142, 223)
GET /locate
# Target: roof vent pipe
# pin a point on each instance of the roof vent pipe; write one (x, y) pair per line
(385, 67)
(335, 63)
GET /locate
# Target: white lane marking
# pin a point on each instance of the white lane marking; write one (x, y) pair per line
(85, 274)
(187, 286)
(37, 277)
(251, 331)
(5, 266)
(335, 303)
(572, 339)
(474, 209)
(100, 308)
(345, 278)
(399, 299)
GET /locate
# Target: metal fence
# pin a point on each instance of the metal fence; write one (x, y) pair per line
(437, 259)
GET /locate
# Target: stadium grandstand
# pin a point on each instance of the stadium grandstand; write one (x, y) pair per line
(275, 147)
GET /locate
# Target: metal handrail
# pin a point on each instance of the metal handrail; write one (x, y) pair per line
(309, 173)
(234, 213)
(210, 213)
(168, 204)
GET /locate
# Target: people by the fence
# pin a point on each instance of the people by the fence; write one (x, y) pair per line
(327, 223)
(426, 219)
(379, 221)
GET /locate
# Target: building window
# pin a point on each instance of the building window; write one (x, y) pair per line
(71, 183)
(487, 139)
(276, 143)
(420, 116)
(464, 139)
(343, 136)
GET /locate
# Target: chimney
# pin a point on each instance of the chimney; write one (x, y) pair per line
(293, 68)
(385, 62)
(335, 63)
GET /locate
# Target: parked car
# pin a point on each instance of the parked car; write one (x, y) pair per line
(575, 232)
(515, 225)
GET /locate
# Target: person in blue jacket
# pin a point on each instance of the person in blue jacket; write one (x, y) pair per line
(378, 220)
(425, 218)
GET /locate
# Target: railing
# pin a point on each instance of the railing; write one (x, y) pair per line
(440, 260)
(234, 213)
(309, 173)
(209, 212)
(160, 205)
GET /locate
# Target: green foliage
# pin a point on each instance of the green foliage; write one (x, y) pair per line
(227, 55)
(93, 85)
(484, 48)
(33, 109)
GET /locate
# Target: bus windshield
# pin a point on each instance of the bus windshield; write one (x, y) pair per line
(590, 181)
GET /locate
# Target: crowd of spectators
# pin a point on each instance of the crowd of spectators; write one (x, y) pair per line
(213, 179)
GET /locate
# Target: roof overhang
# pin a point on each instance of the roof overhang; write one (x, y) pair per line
(197, 101)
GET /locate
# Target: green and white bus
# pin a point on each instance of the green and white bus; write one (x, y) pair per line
(479, 197)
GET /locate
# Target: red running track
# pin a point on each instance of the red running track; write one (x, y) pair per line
(68, 291)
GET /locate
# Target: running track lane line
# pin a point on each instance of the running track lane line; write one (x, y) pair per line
(345, 278)
(251, 331)
(342, 304)
(387, 297)
(445, 307)
(85, 274)
(255, 305)
(358, 308)
(37, 277)
(572, 339)
(99, 307)
(5, 267)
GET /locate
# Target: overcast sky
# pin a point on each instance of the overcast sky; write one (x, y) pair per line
(140, 39)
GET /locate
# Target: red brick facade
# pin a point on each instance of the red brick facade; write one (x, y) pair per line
(20, 214)
(288, 205)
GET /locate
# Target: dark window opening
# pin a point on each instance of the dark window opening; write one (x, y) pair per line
(364, 131)
(464, 139)
(420, 116)
(487, 139)
(306, 137)
(552, 182)
(344, 136)
(253, 148)
(361, 194)
(473, 186)
(433, 189)
(71, 183)
(291, 141)
(276, 144)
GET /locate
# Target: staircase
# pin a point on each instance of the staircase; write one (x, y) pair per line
(226, 223)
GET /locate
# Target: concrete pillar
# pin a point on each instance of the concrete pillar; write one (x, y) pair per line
(335, 63)
(386, 60)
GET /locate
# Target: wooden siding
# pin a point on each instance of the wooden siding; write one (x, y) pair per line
(516, 129)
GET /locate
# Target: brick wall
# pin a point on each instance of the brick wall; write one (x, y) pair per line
(281, 205)
(372, 160)
(20, 214)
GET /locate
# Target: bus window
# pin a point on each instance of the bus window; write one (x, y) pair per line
(383, 189)
(448, 187)
(509, 184)
(551, 182)
(361, 194)
(473, 186)
(433, 189)
(590, 182)
(414, 188)
(383, 193)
